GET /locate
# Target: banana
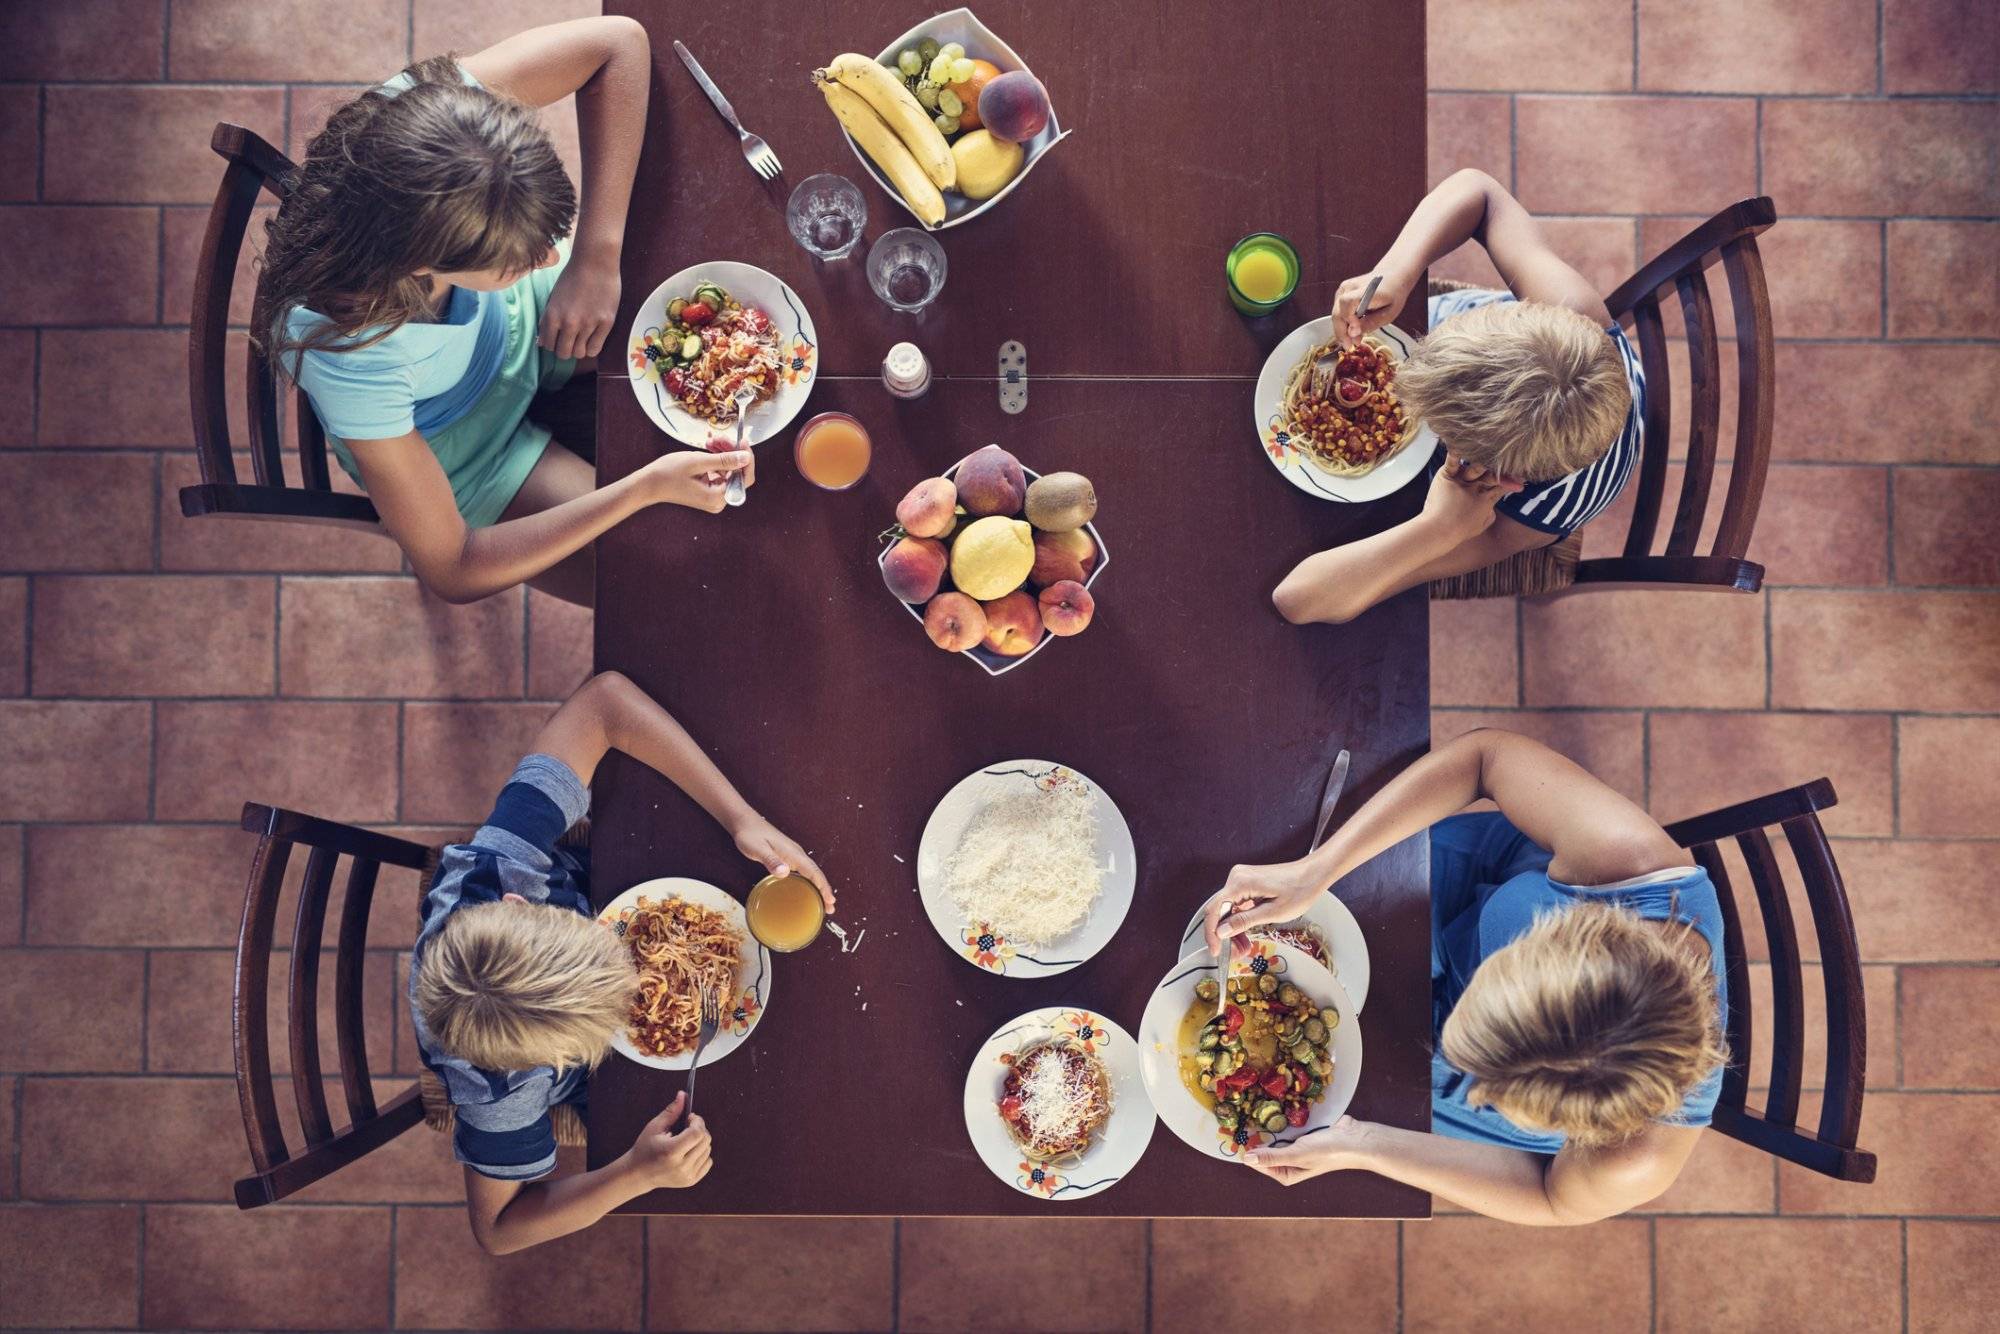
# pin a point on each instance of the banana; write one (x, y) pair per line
(859, 119)
(900, 111)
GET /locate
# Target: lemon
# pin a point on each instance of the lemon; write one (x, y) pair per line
(985, 164)
(992, 557)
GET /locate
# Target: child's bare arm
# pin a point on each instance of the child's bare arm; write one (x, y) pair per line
(607, 63)
(509, 1216)
(1456, 531)
(1467, 205)
(461, 563)
(609, 712)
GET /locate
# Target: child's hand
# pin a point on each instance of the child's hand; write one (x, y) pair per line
(662, 1158)
(1463, 495)
(581, 309)
(1350, 324)
(759, 840)
(696, 479)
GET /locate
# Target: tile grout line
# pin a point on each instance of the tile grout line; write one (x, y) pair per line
(896, 1276)
(1883, 323)
(1402, 1279)
(1905, 1286)
(1895, 775)
(1896, 1020)
(145, 1011)
(160, 268)
(166, 39)
(395, 1216)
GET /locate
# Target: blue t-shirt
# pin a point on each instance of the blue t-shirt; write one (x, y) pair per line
(423, 377)
(1488, 882)
(503, 1128)
(1565, 504)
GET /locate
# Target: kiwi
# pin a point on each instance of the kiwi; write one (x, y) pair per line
(1061, 501)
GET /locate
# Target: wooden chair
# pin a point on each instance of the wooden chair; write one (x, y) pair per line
(1830, 1149)
(1678, 273)
(277, 1171)
(254, 167)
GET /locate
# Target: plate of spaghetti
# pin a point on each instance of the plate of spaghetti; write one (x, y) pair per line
(1326, 933)
(1339, 432)
(1054, 1103)
(712, 330)
(686, 936)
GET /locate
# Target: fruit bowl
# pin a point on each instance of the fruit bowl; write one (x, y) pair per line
(963, 27)
(999, 664)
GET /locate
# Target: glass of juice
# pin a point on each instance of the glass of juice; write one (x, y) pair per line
(832, 451)
(1263, 272)
(785, 912)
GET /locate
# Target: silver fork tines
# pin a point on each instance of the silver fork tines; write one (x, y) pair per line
(762, 160)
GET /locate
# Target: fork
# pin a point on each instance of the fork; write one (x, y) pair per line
(755, 151)
(733, 490)
(711, 1019)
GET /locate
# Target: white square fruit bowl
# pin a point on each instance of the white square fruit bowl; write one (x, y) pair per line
(996, 664)
(963, 26)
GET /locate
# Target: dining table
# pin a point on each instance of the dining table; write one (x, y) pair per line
(1210, 721)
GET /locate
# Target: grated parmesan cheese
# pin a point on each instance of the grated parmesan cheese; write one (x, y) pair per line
(1026, 865)
(1054, 1107)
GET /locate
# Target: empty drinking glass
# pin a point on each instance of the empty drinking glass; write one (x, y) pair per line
(906, 268)
(826, 214)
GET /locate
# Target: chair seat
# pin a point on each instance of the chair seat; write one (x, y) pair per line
(1547, 569)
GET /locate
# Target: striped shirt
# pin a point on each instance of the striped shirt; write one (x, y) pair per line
(502, 1126)
(1565, 504)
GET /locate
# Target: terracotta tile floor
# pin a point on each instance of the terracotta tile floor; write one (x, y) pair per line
(155, 672)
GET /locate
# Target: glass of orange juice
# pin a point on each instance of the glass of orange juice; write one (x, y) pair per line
(785, 912)
(1263, 272)
(832, 451)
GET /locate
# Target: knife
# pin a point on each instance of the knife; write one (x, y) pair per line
(1335, 781)
(715, 97)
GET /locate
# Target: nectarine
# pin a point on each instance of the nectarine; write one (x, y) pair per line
(1013, 624)
(991, 482)
(954, 622)
(929, 509)
(1066, 607)
(914, 568)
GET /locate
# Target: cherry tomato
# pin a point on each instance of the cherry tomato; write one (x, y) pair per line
(1274, 1083)
(697, 312)
(1232, 1020)
(676, 382)
(1295, 1115)
(756, 321)
(1010, 1108)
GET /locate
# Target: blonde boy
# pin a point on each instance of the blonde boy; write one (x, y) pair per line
(1535, 394)
(516, 991)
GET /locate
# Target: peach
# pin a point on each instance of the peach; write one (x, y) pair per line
(954, 622)
(1013, 624)
(1054, 562)
(929, 510)
(914, 568)
(1066, 607)
(1014, 106)
(991, 482)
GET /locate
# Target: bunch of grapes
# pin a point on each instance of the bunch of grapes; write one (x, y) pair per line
(928, 70)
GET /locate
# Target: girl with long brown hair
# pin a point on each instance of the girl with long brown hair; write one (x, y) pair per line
(432, 271)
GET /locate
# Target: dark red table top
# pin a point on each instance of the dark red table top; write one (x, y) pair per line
(1210, 721)
(1194, 125)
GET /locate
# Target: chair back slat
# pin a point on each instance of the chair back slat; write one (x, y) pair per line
(349, 1002)
(249, 1009)
(1781, 941)
(278, 1172)
(1832, 1151)
(1658, 420)
(1704, 412)
(308, 929)
(1755, 392)
(1840, 966)
(254, 168)
(1739, 1020)
(208, 320)
(1729, 239)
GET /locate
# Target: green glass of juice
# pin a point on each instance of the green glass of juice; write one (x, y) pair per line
(1263, 272)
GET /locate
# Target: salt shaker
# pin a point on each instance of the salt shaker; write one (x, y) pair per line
(905, 372)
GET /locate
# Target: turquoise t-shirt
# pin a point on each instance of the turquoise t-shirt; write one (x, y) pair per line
(1488, 882)
(422, 377)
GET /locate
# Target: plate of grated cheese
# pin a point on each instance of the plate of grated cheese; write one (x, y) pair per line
(1026, 868)
(1055, 1104)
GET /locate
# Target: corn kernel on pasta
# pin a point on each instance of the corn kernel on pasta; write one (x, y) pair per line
(1347, 419)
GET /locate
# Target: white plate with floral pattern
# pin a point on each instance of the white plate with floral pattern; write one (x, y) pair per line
(1294, 463)
(1118, 1144)
(1329, 919)
(749, 998)
(1160, 1050)
(977, 942)
(798, 352)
